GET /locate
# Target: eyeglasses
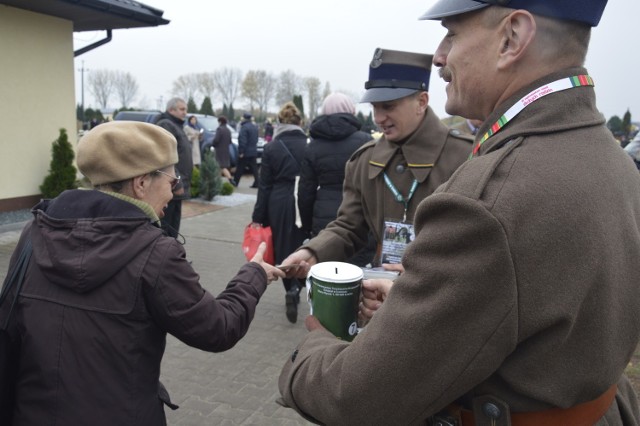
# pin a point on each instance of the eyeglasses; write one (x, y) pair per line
(175, 180)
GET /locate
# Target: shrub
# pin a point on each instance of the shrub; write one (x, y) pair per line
(195, 182)
(227, 189)
(210, 179)
(62, 172)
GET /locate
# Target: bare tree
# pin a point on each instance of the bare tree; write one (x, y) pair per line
(126, 87)
(312, 84)
(267, 87)
(228, 82)
(250, 88)
(288, 86)
(258, 87)
(101, 84)
(327, 90)
(185, 86)
(206, 84)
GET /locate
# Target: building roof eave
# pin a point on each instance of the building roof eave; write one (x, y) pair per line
(93, 15)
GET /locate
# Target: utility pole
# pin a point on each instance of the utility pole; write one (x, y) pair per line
(82, 71)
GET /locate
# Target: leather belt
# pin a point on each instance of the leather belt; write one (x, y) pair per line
(587, 413)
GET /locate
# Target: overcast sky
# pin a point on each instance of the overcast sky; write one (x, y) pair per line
(332, 40)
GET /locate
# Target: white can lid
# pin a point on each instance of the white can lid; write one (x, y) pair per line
(336, 272)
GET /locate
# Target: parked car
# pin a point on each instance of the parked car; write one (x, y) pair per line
(209, 123)
(146, 116)
(633, 149)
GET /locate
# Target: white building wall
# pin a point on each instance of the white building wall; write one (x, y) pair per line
(36, 96)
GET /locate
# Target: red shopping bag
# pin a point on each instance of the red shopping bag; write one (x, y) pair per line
(253, 236)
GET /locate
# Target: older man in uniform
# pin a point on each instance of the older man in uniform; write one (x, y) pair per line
(519, 300)
(387, 178)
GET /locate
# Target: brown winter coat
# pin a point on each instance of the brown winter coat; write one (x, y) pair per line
(432, 154)
(522, 283)
(103, 289)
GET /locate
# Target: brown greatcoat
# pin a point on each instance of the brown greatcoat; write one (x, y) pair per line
(430, 155)
(522, 283)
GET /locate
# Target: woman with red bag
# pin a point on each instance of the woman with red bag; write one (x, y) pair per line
(276, 204)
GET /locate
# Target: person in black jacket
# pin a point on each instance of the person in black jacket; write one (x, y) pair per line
(276, 205)
(173, 121)
(335, 136)
(247, 150)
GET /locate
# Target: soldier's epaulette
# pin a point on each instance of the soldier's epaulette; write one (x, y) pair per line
(364, 147)
(461, 135)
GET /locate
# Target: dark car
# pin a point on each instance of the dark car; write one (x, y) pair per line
(146, 116)
(633, 149)
(210, 123)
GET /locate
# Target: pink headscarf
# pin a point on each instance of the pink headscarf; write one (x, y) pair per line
(338, 102)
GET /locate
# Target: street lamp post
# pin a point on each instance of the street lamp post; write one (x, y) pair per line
(82, 71)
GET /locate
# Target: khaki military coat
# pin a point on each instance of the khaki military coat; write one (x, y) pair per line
(430, 155)
(522, 283)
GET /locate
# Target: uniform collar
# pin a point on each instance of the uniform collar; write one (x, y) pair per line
(421, 149)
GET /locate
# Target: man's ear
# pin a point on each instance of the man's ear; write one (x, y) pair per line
(423, 101)
(518, 33)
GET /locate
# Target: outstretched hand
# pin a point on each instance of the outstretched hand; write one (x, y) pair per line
(272, 272)
(298, 263)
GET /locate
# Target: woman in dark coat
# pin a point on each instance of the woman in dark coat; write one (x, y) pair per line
(105, 285)
(276, 205)
(221, 143)
(335, 136)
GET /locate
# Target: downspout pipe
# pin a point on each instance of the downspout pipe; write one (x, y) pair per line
(92, 46)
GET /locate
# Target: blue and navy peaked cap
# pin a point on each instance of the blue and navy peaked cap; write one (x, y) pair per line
(585, 11)
(394, 74)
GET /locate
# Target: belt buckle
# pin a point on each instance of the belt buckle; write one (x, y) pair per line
(443, 420)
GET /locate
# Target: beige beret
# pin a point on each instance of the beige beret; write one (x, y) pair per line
(119, 150)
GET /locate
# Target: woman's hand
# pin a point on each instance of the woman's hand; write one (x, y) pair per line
(272, 272)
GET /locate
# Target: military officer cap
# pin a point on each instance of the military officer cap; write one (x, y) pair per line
(585, 11)
(394, 74)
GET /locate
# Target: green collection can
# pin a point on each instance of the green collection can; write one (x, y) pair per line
(334, 295)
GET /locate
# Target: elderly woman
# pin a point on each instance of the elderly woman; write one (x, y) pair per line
(105, 285)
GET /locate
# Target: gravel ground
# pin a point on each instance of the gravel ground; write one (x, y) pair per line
(16, 216)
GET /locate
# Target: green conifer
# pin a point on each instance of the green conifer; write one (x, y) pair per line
(210, 179)
(62, 172)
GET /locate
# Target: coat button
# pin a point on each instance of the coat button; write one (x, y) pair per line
(294, 355)
(400, 168)
(491, 410)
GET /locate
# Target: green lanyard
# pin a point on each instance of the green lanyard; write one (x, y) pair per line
(398, 196)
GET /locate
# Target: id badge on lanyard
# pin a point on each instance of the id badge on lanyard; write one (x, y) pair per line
(397, 235)
(395, 238)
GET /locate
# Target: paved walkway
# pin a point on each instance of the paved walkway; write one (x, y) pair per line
(240, 386)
